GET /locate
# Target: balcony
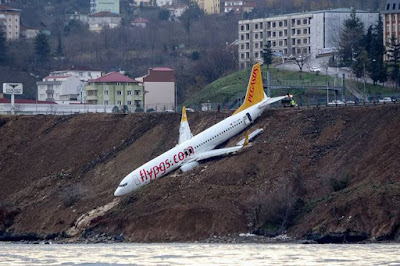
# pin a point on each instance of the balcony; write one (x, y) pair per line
(91, 97)
(49, 91)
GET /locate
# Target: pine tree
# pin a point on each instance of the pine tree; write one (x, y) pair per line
(377, 68)
(394, 57)
(267, 54)
(351, 37)
(60, 50)
(42, 48)
(3, 47)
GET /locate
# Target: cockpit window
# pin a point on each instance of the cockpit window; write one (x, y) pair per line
(123, 185)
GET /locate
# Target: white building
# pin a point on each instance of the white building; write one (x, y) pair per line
(102, 20)
(176, 11)
(60, 89)
(97, 6)
(295, 34)
(159, 87)
(161, 3)
(10, 21)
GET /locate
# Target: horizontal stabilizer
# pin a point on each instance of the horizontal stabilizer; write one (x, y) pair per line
(271, 100)
(252, 135)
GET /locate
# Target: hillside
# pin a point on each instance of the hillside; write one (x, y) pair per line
(330, 175)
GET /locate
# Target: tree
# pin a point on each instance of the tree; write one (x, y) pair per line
(350, 39)
(164, 14)
(42, 48)
(267, 54)
(3, 47)
(191, 14)
(376, 50)
(60, 50)
(394, 57)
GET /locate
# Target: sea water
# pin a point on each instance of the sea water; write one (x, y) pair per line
(199, 254)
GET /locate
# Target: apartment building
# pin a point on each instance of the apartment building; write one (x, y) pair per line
(239, 6)
(62, 89)
(391, 20)
(210, 6)
(296, 34)
(115, 89)
(97, 6)
(10, 22)
(159, 85)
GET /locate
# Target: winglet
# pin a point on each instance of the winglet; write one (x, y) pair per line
(255, 89)
(184, 117)
(246, 140)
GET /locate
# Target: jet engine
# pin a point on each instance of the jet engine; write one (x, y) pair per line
(189, 166)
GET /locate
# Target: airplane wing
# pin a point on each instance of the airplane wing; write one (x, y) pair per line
(184, 129)
(220, 152)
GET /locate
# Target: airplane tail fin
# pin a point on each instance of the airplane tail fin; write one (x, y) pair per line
(255, 89)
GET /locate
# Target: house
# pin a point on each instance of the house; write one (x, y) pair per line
(137, 3)
(104, 19)
(238, 6)
(10, 21)
(159, 85)
(77, 16)
(140, 22)
(115, 89)
(292, 35)
(29, 33)
(210, 6)
(391, 20)
(112, 6)
(176, 11)
(162, 3)
(62, 89)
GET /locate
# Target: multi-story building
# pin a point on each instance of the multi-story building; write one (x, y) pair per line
(117, 90)
(296, 34)
(10, 21)
(209, 6)
(102, 20)
(239, 6)
(391, 20)
(97, 6)
(159, 85)
(63, 89)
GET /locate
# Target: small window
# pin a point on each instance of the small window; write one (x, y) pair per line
(119, 102)
(129, 102)
(105, 92)
(119, 92)
(129, 92)
(105, 102)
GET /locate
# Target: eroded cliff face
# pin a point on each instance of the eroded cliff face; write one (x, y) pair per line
(330, 175)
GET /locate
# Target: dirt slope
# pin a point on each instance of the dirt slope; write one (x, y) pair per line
(325, 174)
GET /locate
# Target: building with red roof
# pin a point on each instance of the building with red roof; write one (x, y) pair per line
(104, 19)
(115, 89)
(159, 85)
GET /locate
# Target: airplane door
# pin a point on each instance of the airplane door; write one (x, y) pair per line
(247, 119)
(137, 180)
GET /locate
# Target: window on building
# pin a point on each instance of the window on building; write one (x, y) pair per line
(280, 23)
(256, 45)
(105, 102)
(304, 41)
(261, 34)
(137, 103)
(261, 25)
(273, 44)
(273, 34)
(298, 32)
(388, 7)
(247, 27)
(129, 102)
(273, 24)
(305, 31)
(280, 43)
(128, 92)
(242, 37)
(119, 92)
(298, 22)
(247, 36)
(394, 6)
(285, 23)
(256, 26)
(247, 55)
(242, 56)
(119, 103)
(247, 45)
(256, 54)
(242, 28)
(137, 92)
(305, 21)
(280, 34)
(105, 92)
(256, 36)
(298, 41)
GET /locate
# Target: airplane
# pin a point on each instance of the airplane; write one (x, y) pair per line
(191, 150)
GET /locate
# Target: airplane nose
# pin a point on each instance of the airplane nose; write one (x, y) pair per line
(118, 192)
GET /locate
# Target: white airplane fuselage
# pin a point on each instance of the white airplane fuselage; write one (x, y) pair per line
(184, 152)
